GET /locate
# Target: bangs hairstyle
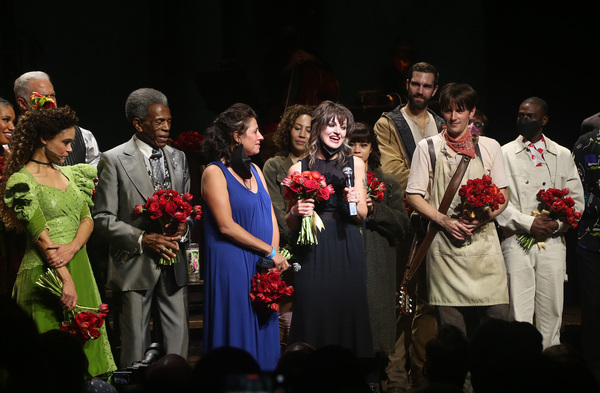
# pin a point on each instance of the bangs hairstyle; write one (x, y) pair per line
(363, 133)
(459, 96)
(323, 115)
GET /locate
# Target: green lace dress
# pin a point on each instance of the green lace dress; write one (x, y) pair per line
(42, 207)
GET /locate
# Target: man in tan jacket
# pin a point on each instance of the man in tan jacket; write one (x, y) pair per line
(398, 132)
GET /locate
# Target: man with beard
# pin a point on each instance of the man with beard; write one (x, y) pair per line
(398, 133)
(536, 277)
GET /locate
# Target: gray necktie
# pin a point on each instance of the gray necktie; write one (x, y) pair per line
(155, 166)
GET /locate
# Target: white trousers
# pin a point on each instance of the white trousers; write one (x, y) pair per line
(536, 285)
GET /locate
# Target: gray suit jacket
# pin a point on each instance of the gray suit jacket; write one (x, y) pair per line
(123, 182)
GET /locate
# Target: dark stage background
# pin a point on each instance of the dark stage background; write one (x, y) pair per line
(206, 55)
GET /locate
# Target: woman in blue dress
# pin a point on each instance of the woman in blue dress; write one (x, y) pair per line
(240, 227)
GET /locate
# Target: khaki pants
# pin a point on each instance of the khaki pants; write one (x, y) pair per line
(405, 366)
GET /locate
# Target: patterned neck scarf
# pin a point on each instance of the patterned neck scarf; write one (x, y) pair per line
(536, 150)
(463, 145)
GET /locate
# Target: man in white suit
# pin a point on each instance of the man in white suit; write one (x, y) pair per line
(128, 175)
(536, 277)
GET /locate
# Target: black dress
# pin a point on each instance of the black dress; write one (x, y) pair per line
(330, 304)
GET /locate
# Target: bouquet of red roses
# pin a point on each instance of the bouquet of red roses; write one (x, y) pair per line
(480, 197)
(189, 141)
(375, 188)
(82, 322)
(38, 101)
(167, 206)
(308, 185)
(268, 290)
(556, 204)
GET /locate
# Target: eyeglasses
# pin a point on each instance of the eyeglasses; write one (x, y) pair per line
(478, 124)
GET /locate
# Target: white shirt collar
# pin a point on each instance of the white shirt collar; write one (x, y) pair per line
(145, 148)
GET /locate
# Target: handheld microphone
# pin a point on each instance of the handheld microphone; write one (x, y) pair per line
(349, 183)
(55, 153)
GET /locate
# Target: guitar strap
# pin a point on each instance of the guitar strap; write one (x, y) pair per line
(418, 248)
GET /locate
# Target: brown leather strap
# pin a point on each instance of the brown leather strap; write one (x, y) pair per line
(417, 252)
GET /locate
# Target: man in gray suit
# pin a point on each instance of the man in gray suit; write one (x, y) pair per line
(128, 175)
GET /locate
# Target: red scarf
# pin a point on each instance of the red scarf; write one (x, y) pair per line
(463, 145)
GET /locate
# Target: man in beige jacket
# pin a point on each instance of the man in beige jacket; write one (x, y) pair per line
(398, 132)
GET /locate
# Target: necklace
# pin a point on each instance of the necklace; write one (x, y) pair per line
(248, 187)
(41, 162)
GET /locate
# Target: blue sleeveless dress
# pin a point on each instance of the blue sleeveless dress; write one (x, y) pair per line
(229, 318)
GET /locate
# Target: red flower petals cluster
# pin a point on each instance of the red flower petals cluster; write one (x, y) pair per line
(82, 322)
(559, 205)
(86, 324)
(189, 141)
(1, 166)
(268, 290)
(308, 184)
(480, 193)
(375, 188)
(170, 205)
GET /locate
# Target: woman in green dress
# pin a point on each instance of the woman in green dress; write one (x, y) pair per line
(52, 205)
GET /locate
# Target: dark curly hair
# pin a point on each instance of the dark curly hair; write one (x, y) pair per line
(219, 136)
(363, 133)
(33, 125)
(282, 138)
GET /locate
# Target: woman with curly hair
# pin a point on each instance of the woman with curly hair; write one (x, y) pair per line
(51, 204)
(11, 245)
(291, 139)
(239, 228)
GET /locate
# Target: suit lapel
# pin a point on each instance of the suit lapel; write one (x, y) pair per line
(134, 166)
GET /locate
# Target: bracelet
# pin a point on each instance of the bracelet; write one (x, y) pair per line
(272, 254)
(292, 213)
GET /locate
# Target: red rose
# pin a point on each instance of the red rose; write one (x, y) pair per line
(180, 216)
(197, 212)
(155, 211)
(316, 175)
(171, 208)
(187, 197)
(323, 194)
(288, 194)
(138, 209)
(295, 187)
(87, 318)
(311, 186)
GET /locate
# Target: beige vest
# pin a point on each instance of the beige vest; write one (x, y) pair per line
(468, 273)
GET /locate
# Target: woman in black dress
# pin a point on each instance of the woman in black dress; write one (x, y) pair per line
(330, 303)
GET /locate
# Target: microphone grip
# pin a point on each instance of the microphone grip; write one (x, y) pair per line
(351, 205)
(352, 208)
